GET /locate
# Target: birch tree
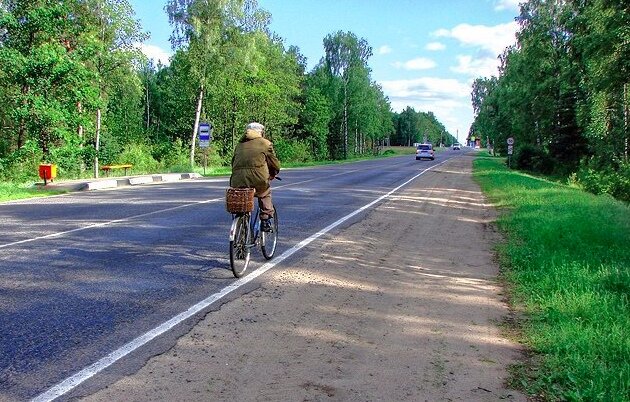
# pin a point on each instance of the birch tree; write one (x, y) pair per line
(344, 51)
(205, 28)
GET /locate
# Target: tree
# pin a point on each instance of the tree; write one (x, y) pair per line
(46, 74)
(408, 130)
(563, 88)
(208, 29)
(601, 42)
(344, 51)
(412, 127)
(112, 34)
(317, 112)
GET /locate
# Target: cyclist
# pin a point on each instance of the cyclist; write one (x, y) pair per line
(254, 165)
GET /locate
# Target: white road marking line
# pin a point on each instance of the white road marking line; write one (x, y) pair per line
(96, 225)
(72, 382)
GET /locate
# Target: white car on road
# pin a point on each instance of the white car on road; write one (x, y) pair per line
(425, 151)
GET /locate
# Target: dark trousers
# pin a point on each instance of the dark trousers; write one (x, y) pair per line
(265, 204)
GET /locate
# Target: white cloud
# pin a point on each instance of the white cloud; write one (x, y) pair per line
(384, 49)
(156, 53)
(434, 88)
(511, 5)
(491, 38)
(490, 41)
(442, 32)
(448, 99)
(435, 46)
(476, 67)
(419, 63)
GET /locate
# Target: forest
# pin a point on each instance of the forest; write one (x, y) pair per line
(76, 91)
(563, 94)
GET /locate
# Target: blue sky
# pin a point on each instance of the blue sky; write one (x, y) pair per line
(426, 52)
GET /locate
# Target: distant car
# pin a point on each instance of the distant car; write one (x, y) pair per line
(425, 151)
(457, 146)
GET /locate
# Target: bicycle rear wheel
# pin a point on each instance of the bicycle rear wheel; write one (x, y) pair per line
(269, 240)
(239, 247)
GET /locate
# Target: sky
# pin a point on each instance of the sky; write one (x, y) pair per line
(426, 53)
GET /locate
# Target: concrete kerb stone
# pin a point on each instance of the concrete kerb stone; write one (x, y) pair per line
(140, 180)
(168, 177)
(101, 184)
(123, 181)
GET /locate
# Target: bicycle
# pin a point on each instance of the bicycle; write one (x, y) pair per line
(245, 234)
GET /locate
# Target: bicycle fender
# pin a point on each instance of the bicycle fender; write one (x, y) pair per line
(233, 229)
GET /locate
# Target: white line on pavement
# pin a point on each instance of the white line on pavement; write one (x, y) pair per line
(96, 225)
(72, 382)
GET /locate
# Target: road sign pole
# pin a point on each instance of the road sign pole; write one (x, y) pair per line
(205, 160)
(510, 149)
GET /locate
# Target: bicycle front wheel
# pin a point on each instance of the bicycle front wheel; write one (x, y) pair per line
(269, 240)
(239, 247)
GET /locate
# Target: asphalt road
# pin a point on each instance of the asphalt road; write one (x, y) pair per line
(84, 273)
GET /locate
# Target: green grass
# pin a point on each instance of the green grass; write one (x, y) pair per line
(12, 191)
(566, 260)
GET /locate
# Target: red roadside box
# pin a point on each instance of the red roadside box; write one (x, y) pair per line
(47, 171)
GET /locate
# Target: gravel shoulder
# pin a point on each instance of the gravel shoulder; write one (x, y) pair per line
(404, 304)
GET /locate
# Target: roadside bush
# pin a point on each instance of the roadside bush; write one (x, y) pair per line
(141, 157)
(533, 159)
(171, 154)
(615, 182)
(71, 160)
(292, 151)
(109, 150)
(21, 165)
(213, 158)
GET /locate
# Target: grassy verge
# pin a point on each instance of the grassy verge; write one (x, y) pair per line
(12, 191)
(566, 259)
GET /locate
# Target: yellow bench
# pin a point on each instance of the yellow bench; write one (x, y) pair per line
(107, 168)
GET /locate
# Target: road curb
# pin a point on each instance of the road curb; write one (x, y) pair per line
(167, 177)
(102, 184)
(140, 180)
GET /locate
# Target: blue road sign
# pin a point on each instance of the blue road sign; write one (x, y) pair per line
(205, 134)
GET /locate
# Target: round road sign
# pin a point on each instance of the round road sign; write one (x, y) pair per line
(510, 141)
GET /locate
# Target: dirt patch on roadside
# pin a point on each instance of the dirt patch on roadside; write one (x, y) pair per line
(402, 305)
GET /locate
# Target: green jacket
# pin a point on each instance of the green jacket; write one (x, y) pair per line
(254, 162)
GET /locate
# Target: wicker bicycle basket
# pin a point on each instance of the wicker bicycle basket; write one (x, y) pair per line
(239, 200)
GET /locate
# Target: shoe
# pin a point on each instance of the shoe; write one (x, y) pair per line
(265, 225)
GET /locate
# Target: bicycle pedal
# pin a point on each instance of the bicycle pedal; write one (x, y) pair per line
(266, 226)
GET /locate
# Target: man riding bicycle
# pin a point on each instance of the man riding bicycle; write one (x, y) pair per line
(254, 165)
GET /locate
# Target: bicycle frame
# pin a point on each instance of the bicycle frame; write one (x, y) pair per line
(254, 226)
